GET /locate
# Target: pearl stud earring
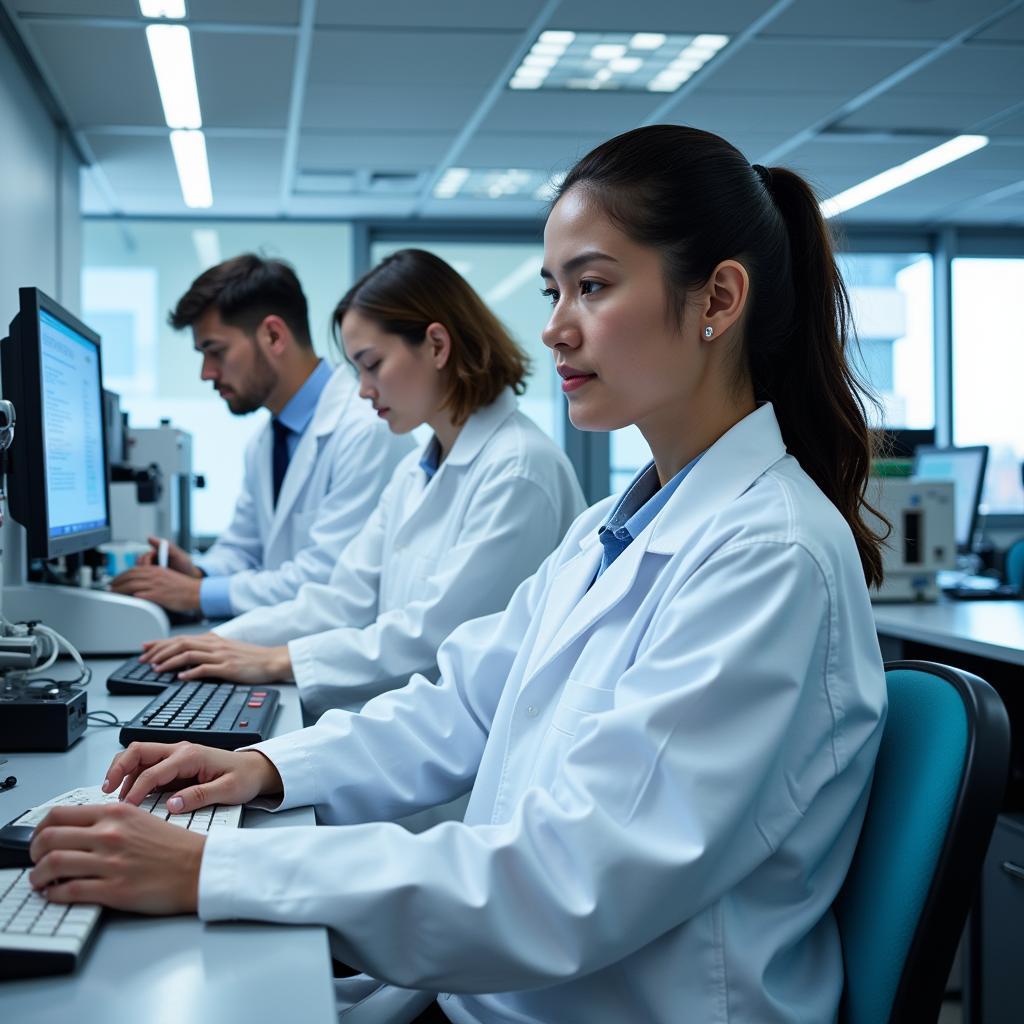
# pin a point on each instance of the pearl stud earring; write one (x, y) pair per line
(708, 331)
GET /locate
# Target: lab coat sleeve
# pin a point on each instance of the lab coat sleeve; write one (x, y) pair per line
(239, 548)
(349, 596)
(358, 476)
(508, 529)
(721, 734)
(432, 734)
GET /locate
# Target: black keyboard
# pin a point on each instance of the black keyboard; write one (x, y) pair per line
(222, 715)
(135, 677)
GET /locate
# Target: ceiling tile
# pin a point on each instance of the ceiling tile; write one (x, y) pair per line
(373, 151)
(459, 14)
(244, 80)
(884, 19)
(124, 93)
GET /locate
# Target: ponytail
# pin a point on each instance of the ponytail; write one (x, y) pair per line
(818, 398)
(693, 197)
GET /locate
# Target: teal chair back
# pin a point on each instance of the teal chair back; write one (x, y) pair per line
(1013, 568)
(939, 780)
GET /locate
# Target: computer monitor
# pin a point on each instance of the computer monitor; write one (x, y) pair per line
(57, 465)
(966, 468)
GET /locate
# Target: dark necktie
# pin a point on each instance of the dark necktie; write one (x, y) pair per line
(280, 459)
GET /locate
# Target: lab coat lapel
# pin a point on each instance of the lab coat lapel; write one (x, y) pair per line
(572, 608)
(334, 400)
(727, 469)
(478, 430)
(264, 476)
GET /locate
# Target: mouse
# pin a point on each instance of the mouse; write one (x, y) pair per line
(14, 844)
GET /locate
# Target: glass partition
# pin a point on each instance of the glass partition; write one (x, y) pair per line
(133, 272)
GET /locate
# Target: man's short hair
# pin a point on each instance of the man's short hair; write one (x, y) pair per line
(245, 290)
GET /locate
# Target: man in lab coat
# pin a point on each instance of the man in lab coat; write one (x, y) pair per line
(313, 474)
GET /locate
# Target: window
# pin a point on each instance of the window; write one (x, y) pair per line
(506, 275)
(133, 272)
(988, 372)
(891, 299)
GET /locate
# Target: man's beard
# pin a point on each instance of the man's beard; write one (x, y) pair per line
(257, 389)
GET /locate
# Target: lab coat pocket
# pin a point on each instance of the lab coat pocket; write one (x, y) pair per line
(577, 703)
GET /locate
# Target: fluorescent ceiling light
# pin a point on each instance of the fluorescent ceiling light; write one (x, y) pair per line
(496, 183)
(623, 61)
(193, 169)
(450, 183)
(607, 51)
(207, 246)
(162, 8)
(899, 175)
(170, 46)
(646, 41)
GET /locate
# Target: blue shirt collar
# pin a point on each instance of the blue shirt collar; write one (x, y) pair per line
(431, 458)
(298, 413)
(636, 509)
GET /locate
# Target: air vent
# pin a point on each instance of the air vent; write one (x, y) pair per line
(325, 182)
(395, 182)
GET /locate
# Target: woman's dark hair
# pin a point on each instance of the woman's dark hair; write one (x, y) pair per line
(411, 289)
(695, 198)
(244, 290)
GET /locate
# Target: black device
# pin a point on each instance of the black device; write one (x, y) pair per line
(222, 715)
(136, 677)
(57, 464)
(40, 714)
(14, 843)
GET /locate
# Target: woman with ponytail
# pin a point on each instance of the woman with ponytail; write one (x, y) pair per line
(671, 729)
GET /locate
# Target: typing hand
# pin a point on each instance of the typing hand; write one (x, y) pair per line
(215, 776)
(166, 587)
(118, 856)
(177, 558)
(211, 656)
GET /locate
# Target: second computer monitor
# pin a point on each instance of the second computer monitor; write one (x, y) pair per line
(966, 468)
(58, 463)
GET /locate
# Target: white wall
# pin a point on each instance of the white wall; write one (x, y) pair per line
(39, 215)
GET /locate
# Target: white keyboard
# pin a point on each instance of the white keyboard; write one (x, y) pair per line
(38, 937)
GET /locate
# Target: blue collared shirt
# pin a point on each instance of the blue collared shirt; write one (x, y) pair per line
(431, 458)
(636, 509)
(214, 591)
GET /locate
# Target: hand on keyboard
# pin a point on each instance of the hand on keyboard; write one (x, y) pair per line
(222, 776)
(208, 655)
(118, 856)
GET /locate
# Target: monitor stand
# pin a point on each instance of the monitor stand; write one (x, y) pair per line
(94, 621)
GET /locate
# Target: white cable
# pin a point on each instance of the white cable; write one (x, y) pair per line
(58, 641)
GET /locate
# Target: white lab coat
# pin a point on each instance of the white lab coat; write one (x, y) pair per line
(335, 477)
(432, 555)
(671, 768)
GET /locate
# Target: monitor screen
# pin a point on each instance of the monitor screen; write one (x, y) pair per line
(53, 373)
(966, 468)
(75, 472)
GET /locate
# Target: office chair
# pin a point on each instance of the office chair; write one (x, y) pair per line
(939, 780)
(1013, 567)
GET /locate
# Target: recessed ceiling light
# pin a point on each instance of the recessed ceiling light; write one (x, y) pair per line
(563, 38)
(646, 41)
(496, 183)
(607, 51)
(901, 174)
(628, 61)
